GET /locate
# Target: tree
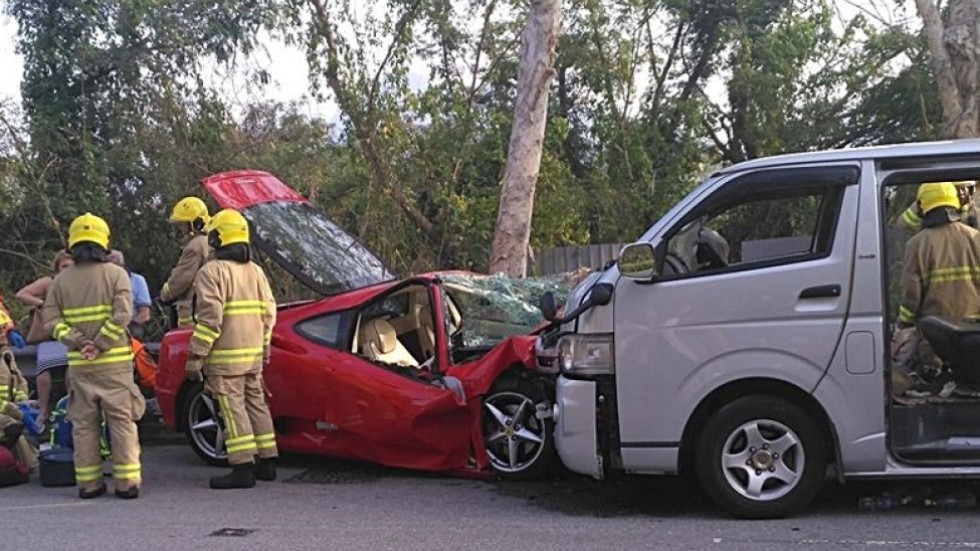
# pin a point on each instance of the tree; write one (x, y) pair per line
(953, 46)
(509, 251)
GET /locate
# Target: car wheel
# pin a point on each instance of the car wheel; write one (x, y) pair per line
(204, 426)
(520, 446)
(761, 457)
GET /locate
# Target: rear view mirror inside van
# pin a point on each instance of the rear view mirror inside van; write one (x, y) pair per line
(637, 261)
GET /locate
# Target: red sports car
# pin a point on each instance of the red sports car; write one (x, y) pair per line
(432, 372)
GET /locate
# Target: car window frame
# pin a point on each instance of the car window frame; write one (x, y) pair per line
(830, 181)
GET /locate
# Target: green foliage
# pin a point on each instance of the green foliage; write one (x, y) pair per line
(118, 116)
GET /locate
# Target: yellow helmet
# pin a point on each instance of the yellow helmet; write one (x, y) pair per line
(4, 318)
(190, 210)
(230, 227)
(88, 227)
(939, 194)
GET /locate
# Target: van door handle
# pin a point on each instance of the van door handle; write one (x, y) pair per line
(821, 291)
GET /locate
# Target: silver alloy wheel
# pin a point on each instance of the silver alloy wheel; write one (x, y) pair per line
(206, 426)
(513, 436)
(763, 460)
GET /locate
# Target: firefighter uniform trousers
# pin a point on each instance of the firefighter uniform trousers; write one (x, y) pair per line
(248, 423)
(94, 392)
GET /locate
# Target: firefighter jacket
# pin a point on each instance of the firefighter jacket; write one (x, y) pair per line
(911, 218)
(234, 314)
(13, 385)
(941, 273)
(91, 302)
(179, 287)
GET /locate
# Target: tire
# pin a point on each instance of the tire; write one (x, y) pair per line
(519, 445)
(203, 426)
(776, 463)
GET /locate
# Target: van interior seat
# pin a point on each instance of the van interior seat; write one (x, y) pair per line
(380, 343)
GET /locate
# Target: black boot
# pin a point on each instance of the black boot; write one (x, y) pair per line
(10, 434)
(266, 469)
(241, 476)
(132, 492)
(84, 493)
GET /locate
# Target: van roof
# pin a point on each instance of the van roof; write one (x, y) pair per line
(919, 149)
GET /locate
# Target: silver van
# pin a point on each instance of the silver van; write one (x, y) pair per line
(746, 336)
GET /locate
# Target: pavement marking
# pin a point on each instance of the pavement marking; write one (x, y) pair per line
(891, 544)
(44, 506)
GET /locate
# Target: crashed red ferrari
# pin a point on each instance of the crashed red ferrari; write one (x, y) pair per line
(433, 372)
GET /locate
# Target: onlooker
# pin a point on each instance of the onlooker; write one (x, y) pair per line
(141, 295)
(51, 354)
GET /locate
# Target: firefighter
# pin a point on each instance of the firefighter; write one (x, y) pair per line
(191, 215)
(88, 308)
(911, 218)
(13, 391)
(941, 270)
(234, 314)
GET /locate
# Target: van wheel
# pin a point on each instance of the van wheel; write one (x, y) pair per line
(204, 427)
(519, 445)
(761, 457)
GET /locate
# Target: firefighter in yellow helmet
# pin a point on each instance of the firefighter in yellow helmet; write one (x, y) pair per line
(234, 315)
(911, 218)
(191, 215)
(13, 391)
(88, 308)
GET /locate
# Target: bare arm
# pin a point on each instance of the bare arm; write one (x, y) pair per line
(32, 295)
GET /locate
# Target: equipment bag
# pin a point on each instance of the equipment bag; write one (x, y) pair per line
(57, 467)
(61, 430)
(12, 470)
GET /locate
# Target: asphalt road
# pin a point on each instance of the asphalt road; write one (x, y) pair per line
(323, 504)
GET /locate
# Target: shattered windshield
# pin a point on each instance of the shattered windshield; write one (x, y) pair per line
(313, 249)
(493, 308)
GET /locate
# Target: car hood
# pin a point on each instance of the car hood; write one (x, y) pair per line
(296, 234)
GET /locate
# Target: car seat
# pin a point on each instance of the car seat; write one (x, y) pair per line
(427, 330)
(380, 343)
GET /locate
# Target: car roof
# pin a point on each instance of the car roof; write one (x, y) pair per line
(918, 149)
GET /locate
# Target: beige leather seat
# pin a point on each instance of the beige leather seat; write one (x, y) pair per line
(380, 343)
(427, 330)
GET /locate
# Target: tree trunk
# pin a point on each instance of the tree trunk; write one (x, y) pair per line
(955, 52)
(512, 234)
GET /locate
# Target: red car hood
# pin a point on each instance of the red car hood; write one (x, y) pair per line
(297, 235)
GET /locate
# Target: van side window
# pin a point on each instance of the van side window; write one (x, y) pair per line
(757, 229)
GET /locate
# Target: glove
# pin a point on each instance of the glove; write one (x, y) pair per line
(16, 339)
(193, 370)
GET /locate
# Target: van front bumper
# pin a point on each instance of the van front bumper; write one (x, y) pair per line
(575, 426)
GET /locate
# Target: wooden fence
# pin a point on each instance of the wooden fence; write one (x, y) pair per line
(566, 259)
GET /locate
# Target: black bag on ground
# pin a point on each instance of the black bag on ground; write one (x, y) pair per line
(57, 467)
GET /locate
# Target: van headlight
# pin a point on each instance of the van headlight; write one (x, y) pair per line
(586, 354)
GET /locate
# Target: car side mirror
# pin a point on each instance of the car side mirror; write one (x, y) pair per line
(548, 306)
(637, 261)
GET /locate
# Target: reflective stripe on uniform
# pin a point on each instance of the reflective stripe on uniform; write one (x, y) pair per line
(265, 441)
(240, 307)
(111, 330)
(240, 444)
(87, 313)
(234, 355)
(205, 334)
(20, 396)
(229, 418)
(960, 273)
(911, 218)
(267, 337)
(185, 321)
(60, 330)
(88, 474)
(113, 355)
(905, 315)
(128, 471)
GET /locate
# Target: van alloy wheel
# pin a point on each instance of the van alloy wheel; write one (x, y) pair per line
(762, 456)
(518, 443)
(763, 459)
(205, 427)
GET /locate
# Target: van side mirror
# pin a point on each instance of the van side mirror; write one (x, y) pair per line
(637, 261)
(548, 306)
